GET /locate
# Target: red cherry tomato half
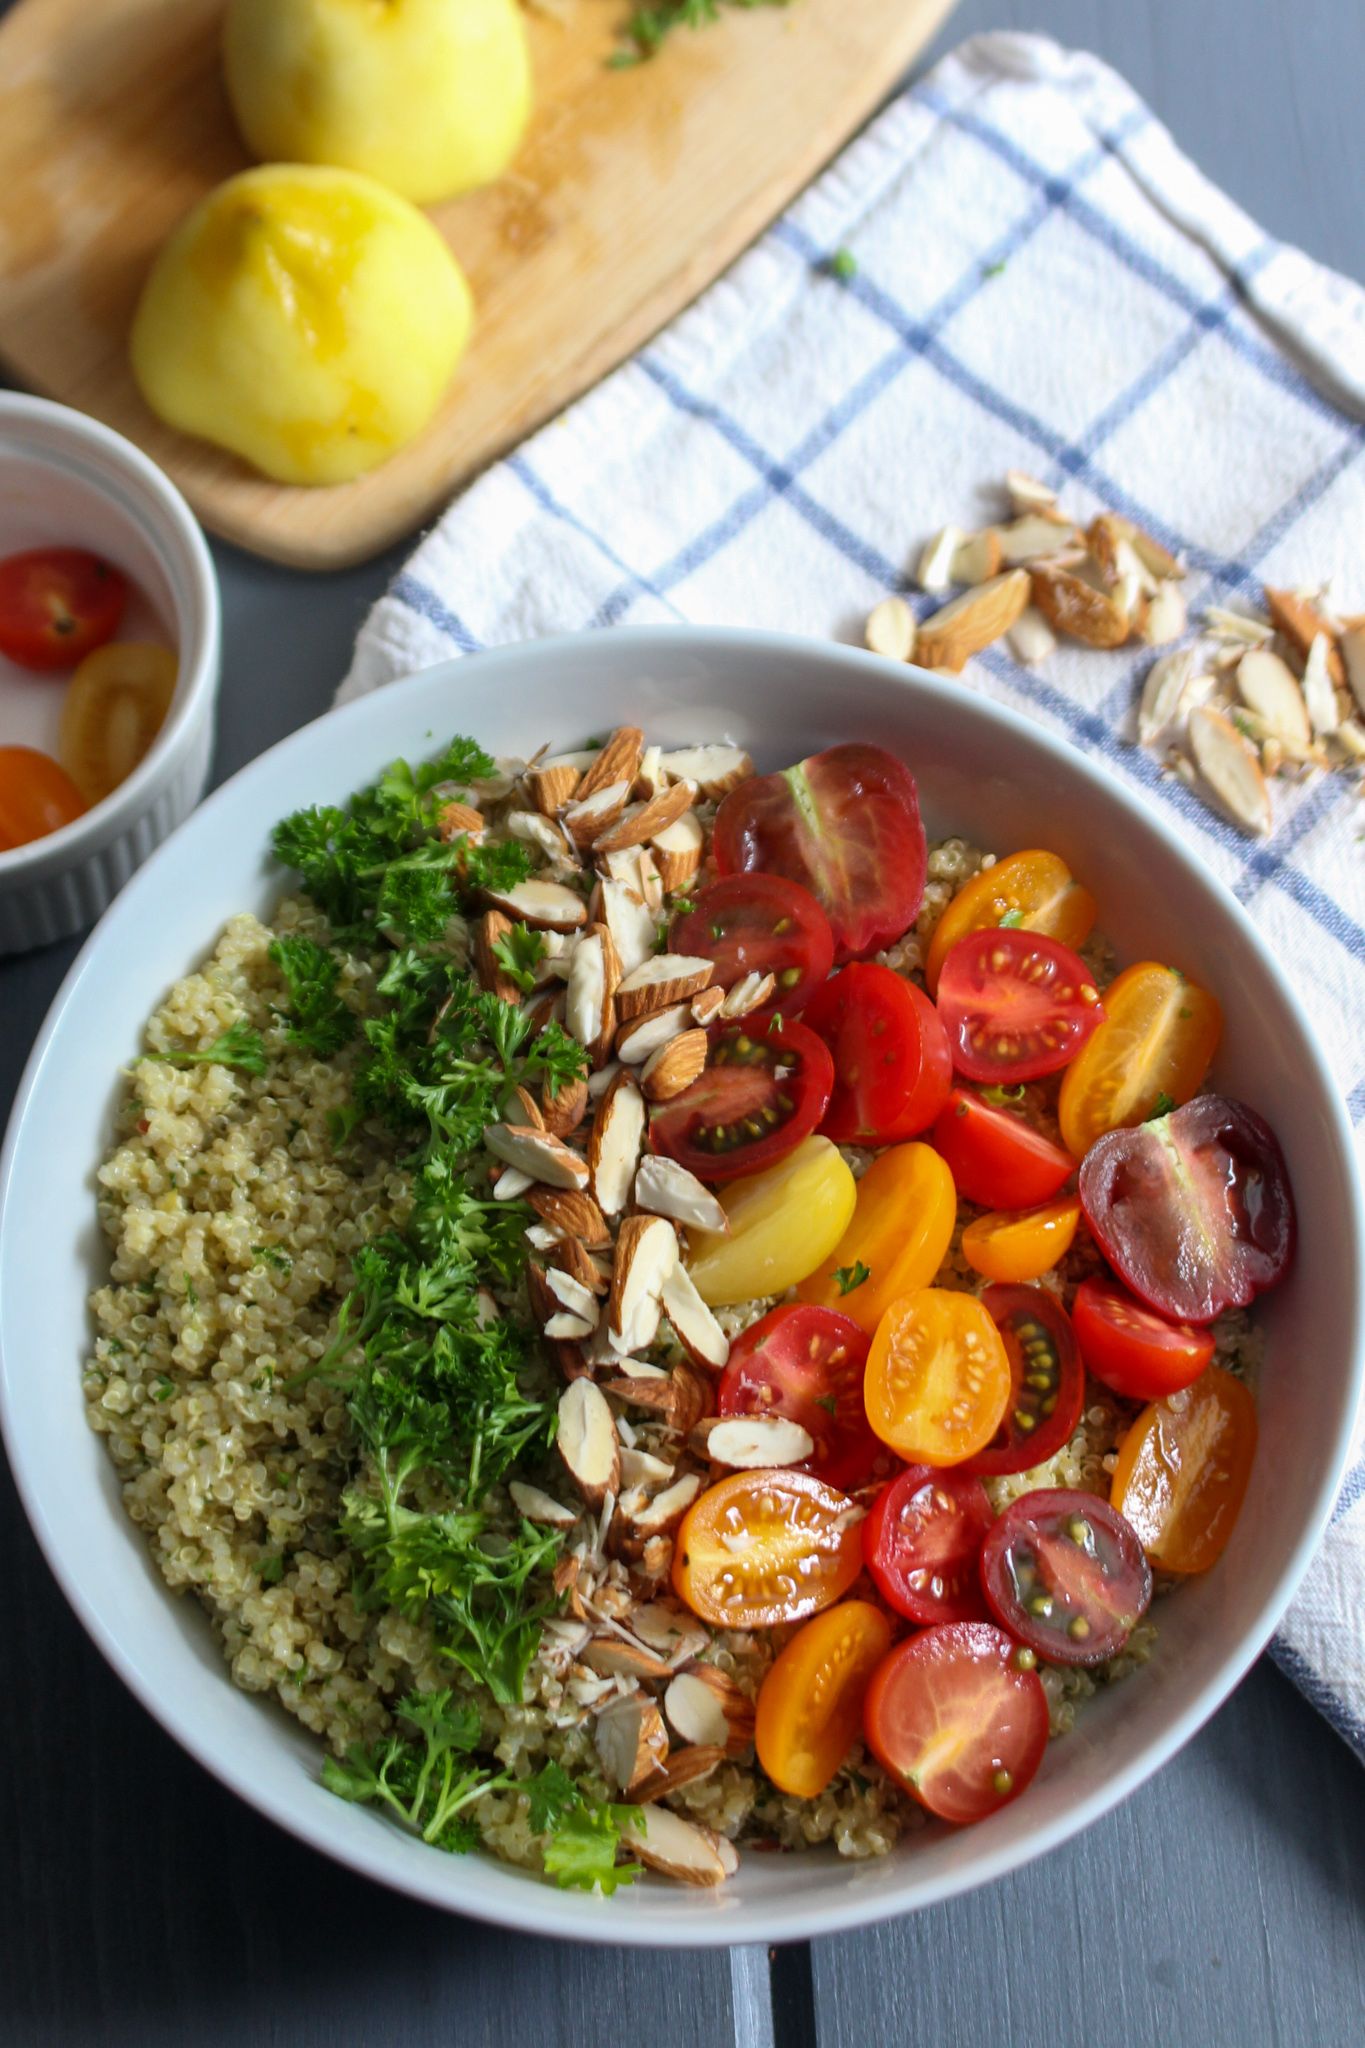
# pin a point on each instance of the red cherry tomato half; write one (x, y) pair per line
(922, 1544)
(996, 1158)
(807, 1363)
(1047, 1380)
(1066, 1573)
(37, 796)
(765, 1087)
(56, 604)
(955, 1721)
(760, 924)
(1193, 1210)
(845, 824)
(1134, 1351)
(1015, 1005)
(892, 1068)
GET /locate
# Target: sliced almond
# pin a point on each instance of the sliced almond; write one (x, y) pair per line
(707, 1006)
(977, 557)
(663, 1841)
(1231, 768)
(680, 1400)
(553, 782)
(685, 1767)
(714, 770)
(587, 1441)
(935, 570)
(1353, 655)
(749, 994)
(890, 629)
(972, 622)
(492, 926)
(617, 761)
(546, 833)
(610, 1657)
(1030, 637)
(544, 1304)
(1111, 548)
(459, 821)
(738, 1710)
(1162, 693)
(1026, 493)
(646, 1252)
(656, 1560)
(588, 817)
(546, 1009)
(662, 980)
(651, 775)
(1073, 606)
(641, 1036)
(657, 815)
(666, 1189)
(538, 1153)
(1033, 538)
(631, 924)
(696, 1329)
(510, 1183)
(661, 1515)
(1318, 693)
(677, 851)
(571, 1294)
(746, 1443)
(1300, 621)
(530, 1108)
(570, 1256)
(545, 906)
(670, 1631)
(614, 1147)
(1270, 688)
(674, 1067)
(700, 1694)
(571, 1214)
(643, 1469)
(589, 1005)
(725, 1849)
(568, 1329)
(632, 1742)
(1165, 619)
(538, 1507)
(564, 1111)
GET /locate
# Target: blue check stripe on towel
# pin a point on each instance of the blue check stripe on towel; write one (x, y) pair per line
(1042, 281)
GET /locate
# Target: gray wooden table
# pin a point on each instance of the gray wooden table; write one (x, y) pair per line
(1224, 1903)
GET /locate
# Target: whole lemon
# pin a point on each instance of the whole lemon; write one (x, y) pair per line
(306, 318)
(431, 96)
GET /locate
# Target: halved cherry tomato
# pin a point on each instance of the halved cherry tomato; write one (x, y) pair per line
(937, 1377)
(1036, 891)
(1133, 1350)
(783, 1222)
(1065, 1573)
(1021, 1244)
(1015, 1005)
(1158, 1036)
(956, 1721)
(1194, 1210)
(810, 1705)
(996, 1158)
(900, 1231)
(765, 1087)
(56, 604)
(765, 1547)
(845, 824)
(807, 1363)
(1183, 1470)
(1047, 1381)
(37, 796)
(892, 1066)
(113, 709)
(922, 1544)
(759, 924)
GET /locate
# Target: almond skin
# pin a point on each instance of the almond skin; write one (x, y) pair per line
(659, 813)
(573, 1212)
(618, 761)
(1301, 623)
(674, 1067)
(1071, 606)
(972, 622)
(551, 788)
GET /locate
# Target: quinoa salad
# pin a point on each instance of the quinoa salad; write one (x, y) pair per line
(653, 1306)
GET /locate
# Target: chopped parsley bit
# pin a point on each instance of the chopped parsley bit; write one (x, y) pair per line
(852, 1276)
(584, 1837)
(843, 264)
(272, 1571)
(272, 1255)
(648, 26)
(1011, 921)
(1185, 1015)
(863, 1784)
(1000, 1096)
(238, 1046)
(422, 1784)
(1163, 1106)
(191, 1297)
(144, 1287)
(827, 1401)
(322, 1023)
(341, 1122)
(517, 952)
(162, 1388)
(718, 931)
(684, 904)
(992, 269)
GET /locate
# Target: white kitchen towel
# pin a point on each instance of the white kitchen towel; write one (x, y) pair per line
(1013, 267)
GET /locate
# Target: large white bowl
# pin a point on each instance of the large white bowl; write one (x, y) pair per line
(982, 771)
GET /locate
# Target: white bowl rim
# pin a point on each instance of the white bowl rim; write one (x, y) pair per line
(199, 663)
(536, 1908)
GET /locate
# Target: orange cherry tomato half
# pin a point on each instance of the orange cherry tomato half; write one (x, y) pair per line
(996, 1158)
(938, 1377)
(764, 1547)
(954, 1719)
(1021, 1244)
(892, 1066)
(810, 1705)
(922, 1543)
(1064, 1572)
(1131, 1348)
(56, 604)
(807, 1363)
(1035, 890)
(1183, 1469)
(901, 1229)
(1047, 1380)
(37, 796)
(1158, 1036)
(1015, 1005)
(113, 709)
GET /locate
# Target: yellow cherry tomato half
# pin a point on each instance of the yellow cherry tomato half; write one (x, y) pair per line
(113, 709)
(784, 1222)
(765, 1547)
(1183, 1469)
(37, 796)
(810, 1707)
(1035, 890)
(1158, 1036)
(937, 1378)
(902, 1227)
(1021, 1244)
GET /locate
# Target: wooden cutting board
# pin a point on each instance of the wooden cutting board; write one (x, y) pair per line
(632, 190)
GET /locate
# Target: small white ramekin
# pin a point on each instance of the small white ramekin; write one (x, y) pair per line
(79, 484)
